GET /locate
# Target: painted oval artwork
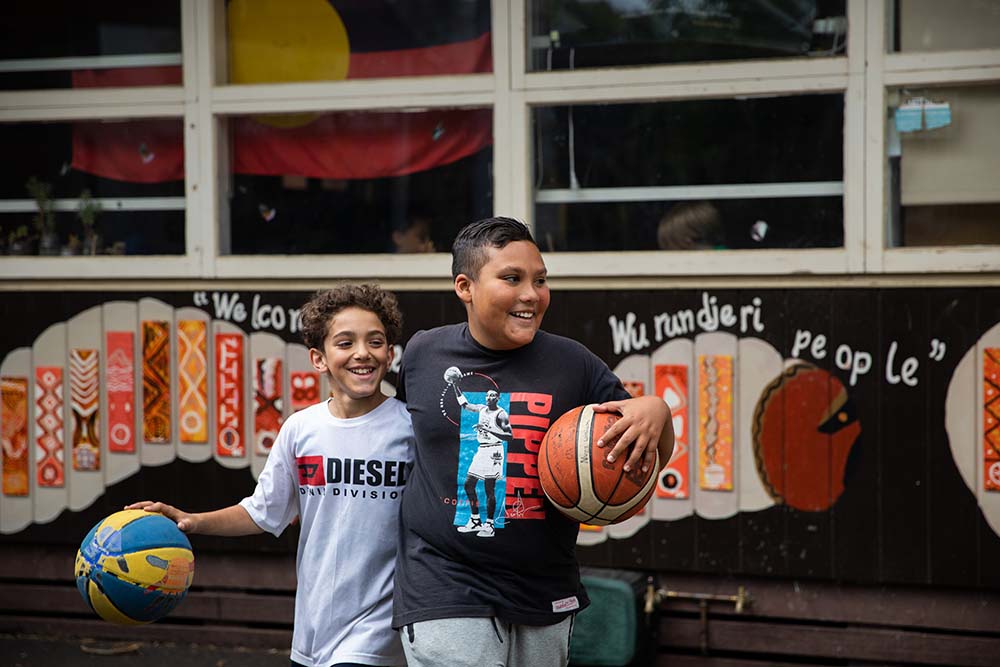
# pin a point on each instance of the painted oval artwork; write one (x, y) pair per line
(803, 431)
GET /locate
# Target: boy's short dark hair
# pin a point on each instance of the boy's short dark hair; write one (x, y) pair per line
(468, 252)
(325, 304)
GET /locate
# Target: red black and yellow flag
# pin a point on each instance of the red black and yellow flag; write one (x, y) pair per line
(314, 40)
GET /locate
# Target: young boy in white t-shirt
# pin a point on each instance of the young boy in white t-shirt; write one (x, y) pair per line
(341, 466)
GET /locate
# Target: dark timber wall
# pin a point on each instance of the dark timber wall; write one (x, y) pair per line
(853, 486)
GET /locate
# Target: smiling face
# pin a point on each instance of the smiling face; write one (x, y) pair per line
(506, 302)
(356, 356)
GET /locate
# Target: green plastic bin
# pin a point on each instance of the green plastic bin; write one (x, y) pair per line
(606, 632)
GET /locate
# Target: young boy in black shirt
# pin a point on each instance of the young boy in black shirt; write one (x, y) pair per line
(509, 599)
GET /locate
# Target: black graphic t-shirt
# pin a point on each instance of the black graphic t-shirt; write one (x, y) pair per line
(477, 537)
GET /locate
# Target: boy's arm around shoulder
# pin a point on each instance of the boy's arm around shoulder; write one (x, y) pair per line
(645, 423)
(232, 521)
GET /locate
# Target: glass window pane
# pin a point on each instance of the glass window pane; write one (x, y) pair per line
(736, 173)
(575, 34)
(944, 157)
(131, 171)
(71, 44)
(357, 182)
(332, 40)
(932, 25)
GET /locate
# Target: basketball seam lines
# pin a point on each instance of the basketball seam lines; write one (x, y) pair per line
(552, 475)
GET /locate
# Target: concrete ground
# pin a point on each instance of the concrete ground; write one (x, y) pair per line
(37, 651)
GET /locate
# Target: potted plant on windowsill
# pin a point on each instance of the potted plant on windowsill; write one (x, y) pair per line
(74, 246)
(45, 221)
(88, 211)
(20, 242)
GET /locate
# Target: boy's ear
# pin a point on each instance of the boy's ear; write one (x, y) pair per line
(463, 288)
(318, 360)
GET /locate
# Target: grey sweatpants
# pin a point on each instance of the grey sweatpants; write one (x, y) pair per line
(486, 642)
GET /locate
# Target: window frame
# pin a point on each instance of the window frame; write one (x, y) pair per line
(890, 70)
(863, 76)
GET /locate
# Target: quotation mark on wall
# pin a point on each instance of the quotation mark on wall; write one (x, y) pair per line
(938, 349)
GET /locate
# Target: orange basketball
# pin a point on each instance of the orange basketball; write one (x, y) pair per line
(577, 478)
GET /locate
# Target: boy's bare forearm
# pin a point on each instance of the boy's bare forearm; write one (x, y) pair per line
(232, 521)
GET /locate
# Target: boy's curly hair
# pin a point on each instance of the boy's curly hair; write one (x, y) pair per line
(325, 304)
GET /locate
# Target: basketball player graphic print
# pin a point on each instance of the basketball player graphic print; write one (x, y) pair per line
(485, 431)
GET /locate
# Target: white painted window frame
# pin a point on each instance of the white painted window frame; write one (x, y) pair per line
(202, 103)
(120, 103)
(889, 70)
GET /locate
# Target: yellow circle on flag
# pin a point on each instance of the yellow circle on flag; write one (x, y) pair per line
(279, 41)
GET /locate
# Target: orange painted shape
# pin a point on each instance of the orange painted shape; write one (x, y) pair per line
(49, 420)
(14, 392)
(84, 395)
(155, 382)
(635, 388)
(305, 389)
(119, 383)
(230, 433)
(991, 419)
(804, 431)
(268, 387)
(671, 384)
(192, 381)
(715, 422)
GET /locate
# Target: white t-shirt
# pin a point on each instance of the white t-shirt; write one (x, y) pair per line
(345, 479)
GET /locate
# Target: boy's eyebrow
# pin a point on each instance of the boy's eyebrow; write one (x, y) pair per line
(351, 332)
(517, 269)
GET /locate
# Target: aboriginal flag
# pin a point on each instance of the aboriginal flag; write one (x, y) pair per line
(314, 40)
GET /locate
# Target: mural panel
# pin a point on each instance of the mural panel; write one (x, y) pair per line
(156, 382)
(192, 380)
(49, 422)
(14, 391)
(849, 434)
(119, 383)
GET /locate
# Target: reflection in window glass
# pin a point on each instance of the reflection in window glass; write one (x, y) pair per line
(739, 173)
(67, 44)
(572, 34)
(310, 40)
(944, 157)
(932, 25)
(357, 182)
(93, 187)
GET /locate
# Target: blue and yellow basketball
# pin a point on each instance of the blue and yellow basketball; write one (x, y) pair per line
(134, 567)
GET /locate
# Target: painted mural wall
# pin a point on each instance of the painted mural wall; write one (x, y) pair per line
(846, 434)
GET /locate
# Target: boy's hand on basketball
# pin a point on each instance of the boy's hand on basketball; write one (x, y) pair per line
(184, 521)
(640, 427)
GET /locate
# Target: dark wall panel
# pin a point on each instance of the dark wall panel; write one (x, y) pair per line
(809, 529)
(853, 347)
(881, 500)
(989, 545)
(953, 514)
(903, 433)
(762, 546)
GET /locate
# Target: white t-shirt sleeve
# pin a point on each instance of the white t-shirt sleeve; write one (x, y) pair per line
(275, 503)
